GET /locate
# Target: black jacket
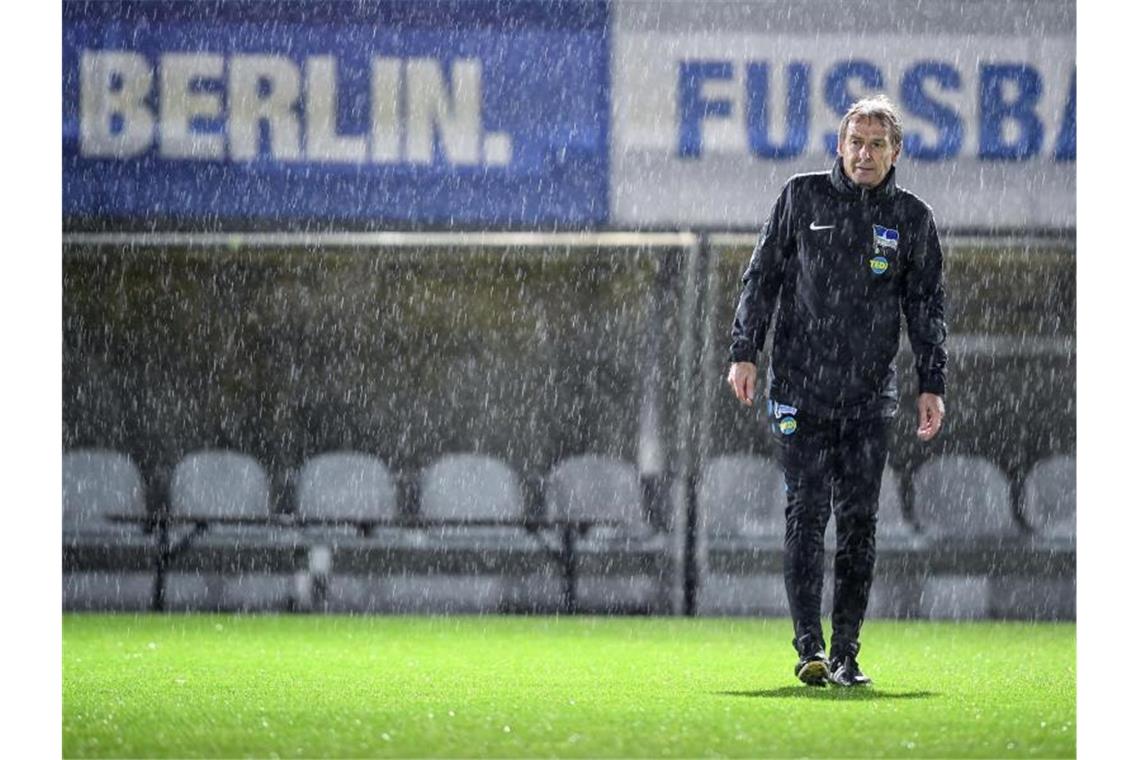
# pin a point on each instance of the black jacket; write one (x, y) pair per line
(845, 263)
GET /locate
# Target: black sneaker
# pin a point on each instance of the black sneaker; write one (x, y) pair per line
(812, 669)
(845, 672)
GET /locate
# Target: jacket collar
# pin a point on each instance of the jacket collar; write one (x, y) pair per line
(848, 189)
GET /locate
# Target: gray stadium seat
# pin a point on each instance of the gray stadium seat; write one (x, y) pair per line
(599, 488)
(740, 503)
(620, 564)
(341, 485)
(98, 483)
(346, 485)
(473, 486)
(1049, 498)
(216, 483)
(740, 495)
(964, 498)
(210, 484)
(961, 500)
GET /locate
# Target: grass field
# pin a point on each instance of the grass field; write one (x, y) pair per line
(235, 686)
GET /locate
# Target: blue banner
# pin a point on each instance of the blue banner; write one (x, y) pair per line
(408, 113)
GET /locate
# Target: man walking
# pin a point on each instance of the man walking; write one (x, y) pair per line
(844, 253)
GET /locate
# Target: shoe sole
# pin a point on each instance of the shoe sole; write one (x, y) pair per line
(852, 685)
(814, 673)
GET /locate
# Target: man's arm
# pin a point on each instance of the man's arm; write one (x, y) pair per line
(762, 280)
(924, 305)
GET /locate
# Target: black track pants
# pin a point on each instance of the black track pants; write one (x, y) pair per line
(829, 465)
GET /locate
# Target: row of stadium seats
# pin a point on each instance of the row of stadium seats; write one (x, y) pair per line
(215, 486)
(953, 496)
(348, 486)
(739, 499)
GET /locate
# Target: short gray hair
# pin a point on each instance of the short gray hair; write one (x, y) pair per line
(875, 107)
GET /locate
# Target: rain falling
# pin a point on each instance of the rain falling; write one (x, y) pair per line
(390, 308)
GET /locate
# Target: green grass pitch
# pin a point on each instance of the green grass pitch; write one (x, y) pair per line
(321, 686)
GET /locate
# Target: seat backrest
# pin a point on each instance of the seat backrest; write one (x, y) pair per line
(1049, 497)
(595, 487)
(98, 482)
(470, 486)
(217, 483)
(963, 497)
(346, 485)
(741, 495)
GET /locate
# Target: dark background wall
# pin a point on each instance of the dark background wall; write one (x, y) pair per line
(528, 355)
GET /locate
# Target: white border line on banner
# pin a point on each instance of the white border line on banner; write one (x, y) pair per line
(382, 239)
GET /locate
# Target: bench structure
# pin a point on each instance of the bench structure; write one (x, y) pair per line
(173, 548)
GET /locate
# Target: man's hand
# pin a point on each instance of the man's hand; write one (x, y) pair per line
(742, 378)
(930, 413)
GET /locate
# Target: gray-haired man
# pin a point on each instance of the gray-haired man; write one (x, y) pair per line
(842, 256)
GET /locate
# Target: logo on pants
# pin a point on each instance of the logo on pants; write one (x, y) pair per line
(786, 416)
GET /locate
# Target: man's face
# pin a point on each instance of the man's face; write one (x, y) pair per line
(867, 152)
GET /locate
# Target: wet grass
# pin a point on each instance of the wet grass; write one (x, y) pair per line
(263, 686)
